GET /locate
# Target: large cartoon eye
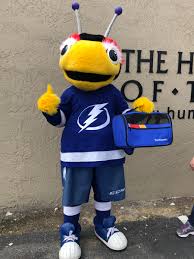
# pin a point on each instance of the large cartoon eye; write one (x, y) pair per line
(64, 50)
(113, 51)
(66, 45)
(113, 55)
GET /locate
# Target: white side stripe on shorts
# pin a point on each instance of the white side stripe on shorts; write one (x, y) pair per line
(93, 156)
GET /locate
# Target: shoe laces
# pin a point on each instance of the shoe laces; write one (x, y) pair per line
(111, 231)
(70, 237)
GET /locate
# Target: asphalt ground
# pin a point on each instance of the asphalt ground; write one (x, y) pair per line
(149, 235)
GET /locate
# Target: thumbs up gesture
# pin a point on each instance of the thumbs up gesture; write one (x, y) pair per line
(49, 101)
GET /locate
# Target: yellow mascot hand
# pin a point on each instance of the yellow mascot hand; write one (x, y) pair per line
(49, 101)
(143, 104)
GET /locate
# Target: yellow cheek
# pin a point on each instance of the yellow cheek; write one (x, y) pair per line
(88, 57)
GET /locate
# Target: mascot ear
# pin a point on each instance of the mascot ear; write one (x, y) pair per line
(118, 73)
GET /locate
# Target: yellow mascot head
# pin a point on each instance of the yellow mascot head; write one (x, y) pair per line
(89, 61)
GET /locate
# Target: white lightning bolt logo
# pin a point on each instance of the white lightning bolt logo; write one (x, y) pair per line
(98, 109)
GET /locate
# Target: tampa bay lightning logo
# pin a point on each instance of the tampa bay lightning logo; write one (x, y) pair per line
(91, 114)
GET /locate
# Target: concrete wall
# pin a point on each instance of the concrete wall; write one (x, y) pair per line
(31, 32)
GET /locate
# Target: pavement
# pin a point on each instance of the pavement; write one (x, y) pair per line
(149, 235)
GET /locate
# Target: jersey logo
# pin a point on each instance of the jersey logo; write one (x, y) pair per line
(91, 114)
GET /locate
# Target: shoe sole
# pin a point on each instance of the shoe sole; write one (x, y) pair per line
(106, 243)
(186, 235)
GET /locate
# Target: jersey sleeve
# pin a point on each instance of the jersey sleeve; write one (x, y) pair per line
(121, 104)
(64, 111)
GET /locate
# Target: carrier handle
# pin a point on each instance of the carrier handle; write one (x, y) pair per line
(129, 110)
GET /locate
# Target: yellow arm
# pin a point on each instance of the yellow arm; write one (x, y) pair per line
(49, 101)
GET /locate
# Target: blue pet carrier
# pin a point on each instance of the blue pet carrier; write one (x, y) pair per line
(138, 129)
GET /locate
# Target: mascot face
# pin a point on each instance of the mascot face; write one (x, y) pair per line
(90, 62)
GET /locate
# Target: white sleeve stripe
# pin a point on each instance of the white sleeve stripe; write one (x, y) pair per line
(125, 111)
(63, 120)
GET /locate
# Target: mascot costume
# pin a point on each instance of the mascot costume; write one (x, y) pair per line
(89, 157)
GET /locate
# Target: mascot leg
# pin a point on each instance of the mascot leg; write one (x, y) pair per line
(105, 228)
(108, 185)
(72, 199)
(70, 234)
(76, 190)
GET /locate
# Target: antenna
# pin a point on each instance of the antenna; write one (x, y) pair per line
(75, 7)
(118, 11)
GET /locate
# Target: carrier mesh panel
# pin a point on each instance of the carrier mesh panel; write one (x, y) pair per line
(139, 118)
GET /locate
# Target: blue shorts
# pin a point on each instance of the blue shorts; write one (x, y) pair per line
(108, 184)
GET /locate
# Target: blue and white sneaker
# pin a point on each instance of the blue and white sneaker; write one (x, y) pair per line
(70, 237)
(110, 235)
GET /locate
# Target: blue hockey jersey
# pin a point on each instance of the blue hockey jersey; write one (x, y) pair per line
(87, 138)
